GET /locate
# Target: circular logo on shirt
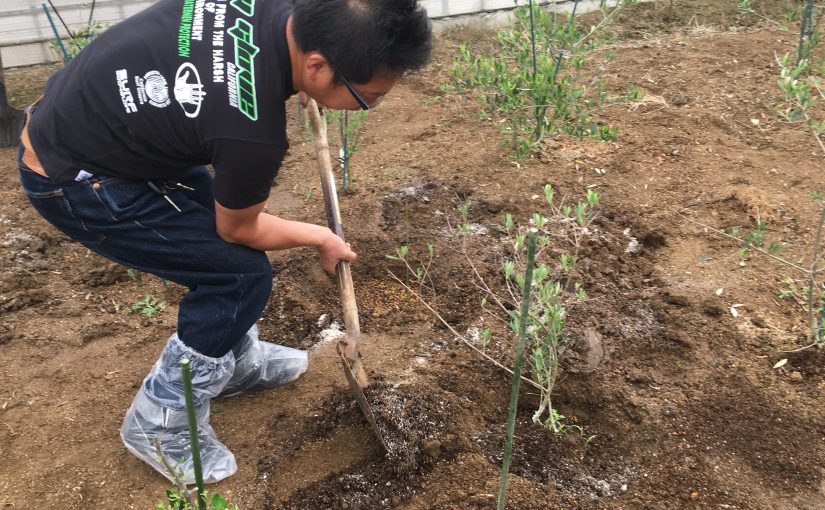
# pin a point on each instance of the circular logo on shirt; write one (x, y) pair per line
(157, 91)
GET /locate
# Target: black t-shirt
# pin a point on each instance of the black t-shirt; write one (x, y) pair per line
(182, 83)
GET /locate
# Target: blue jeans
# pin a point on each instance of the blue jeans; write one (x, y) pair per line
(125, 221)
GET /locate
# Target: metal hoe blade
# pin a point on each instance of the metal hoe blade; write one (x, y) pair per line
(347, 348)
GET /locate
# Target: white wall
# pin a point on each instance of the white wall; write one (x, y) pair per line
(25, 33)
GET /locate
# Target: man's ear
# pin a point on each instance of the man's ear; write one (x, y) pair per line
(317, 70)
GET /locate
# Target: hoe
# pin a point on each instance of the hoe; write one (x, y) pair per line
(347, 347)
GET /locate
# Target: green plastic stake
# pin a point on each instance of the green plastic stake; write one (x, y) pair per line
(66, 57)
(522, 332)
(193, 431)
(561, 53)
(533, 37)
(807, 30)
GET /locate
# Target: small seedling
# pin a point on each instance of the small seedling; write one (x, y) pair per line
(350, 126)
(508, 222)
(564, 428)
(801, 83)
(464, 214)
(789, 289)
(634, 93)
(422, 271)
(148, 306)
(177, 501)
(484, 337)
(754, 238)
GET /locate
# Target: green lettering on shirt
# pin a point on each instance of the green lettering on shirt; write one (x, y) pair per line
(245, 52)
(185, 28)
(245, 6)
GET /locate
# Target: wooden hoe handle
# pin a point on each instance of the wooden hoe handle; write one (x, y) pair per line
(349, 346)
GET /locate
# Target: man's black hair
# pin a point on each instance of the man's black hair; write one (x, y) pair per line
(363, 38)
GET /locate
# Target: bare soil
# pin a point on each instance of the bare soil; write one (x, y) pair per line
(681, 395)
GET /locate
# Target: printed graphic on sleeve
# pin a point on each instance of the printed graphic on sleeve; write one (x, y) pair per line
(189, 91)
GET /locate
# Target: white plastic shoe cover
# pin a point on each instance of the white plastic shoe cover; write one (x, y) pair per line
(159, 410)
(262, 365)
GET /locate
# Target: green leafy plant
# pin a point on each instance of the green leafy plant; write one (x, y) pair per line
(634, 93)
(464, 228)
(485, 336)
(349, 127)
(563, 427)
(561, 230)
(420, 270)
(791, 15)
(789, 290)
(536, 81)
(78, 40)
(148, 306)
(177, 501)
(756, 237)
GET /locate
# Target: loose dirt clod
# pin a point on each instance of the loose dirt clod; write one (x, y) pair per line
(401, 424)
(413, 421)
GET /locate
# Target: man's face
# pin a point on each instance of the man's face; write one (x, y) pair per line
(338, 96)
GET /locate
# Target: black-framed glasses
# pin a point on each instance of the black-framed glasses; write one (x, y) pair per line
(363, 104)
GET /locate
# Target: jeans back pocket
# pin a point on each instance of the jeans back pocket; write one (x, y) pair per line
(49, 199)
